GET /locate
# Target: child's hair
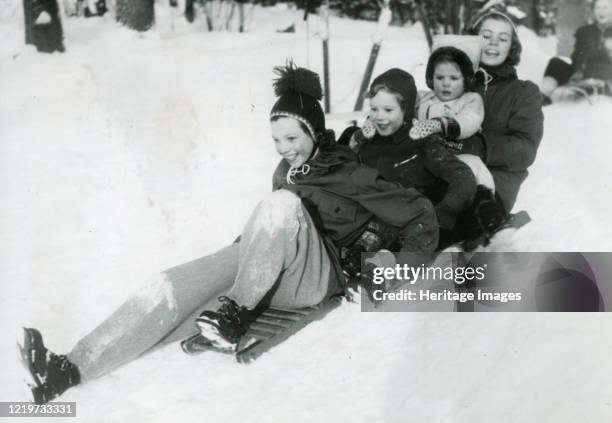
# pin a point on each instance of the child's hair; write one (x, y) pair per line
(455, 56)
(375, 89)
(514, 55)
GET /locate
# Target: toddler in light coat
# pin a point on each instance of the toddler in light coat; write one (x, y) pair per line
(451, 107)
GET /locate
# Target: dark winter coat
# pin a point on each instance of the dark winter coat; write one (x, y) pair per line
(590, 57)
(511, 131)
(342, 196)
(426, 165)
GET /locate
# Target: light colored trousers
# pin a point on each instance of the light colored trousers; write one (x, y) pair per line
(479, 169)
(280, 258)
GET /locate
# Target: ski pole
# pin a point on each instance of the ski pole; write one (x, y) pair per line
(325, 39)
(383, 23)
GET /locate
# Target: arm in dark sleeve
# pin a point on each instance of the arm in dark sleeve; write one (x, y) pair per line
(405, 208)
(461, 183)
(346, 135)
(279, 175)
(516, 149)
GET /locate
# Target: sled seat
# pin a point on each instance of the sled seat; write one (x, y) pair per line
(267, 328)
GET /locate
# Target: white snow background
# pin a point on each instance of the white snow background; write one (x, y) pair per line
(131, 153)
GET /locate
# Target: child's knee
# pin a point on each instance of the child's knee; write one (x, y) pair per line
(283, 198)
(280, 208)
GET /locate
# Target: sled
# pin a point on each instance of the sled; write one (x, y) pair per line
(582, 92)
(268, 328)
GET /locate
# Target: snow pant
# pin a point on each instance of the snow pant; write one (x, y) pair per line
(281, 259)
(479, 169)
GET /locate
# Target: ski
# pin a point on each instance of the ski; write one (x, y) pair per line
(383, 23)
(269, 327)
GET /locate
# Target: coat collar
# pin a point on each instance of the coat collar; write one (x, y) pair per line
(322, 163)
(503, 71)
(398, 136)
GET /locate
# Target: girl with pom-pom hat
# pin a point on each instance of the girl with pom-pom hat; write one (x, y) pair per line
(288, 252)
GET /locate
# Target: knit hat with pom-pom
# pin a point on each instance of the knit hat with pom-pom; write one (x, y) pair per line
(299, 91)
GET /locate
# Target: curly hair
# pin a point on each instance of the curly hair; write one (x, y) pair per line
(385, 87)
(514, 55)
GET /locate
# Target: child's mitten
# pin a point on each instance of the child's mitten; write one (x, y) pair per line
(364, 134)
(423, 128)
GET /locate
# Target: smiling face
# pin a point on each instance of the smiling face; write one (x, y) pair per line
(497, 40)
(386, 112)
(448, 83)
(602, 10)
(290, 141)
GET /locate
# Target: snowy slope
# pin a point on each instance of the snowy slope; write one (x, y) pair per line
(133, 153)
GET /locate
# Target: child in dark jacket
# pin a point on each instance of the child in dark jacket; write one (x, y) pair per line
(425, 164)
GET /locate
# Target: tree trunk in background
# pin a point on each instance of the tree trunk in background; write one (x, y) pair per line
(136, 14)
(453, 17)
(572, 14)
(43, 26)
(528, 7)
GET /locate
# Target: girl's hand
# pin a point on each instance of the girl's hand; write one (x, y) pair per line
(424, 128)
(363, 135)
(368, 129)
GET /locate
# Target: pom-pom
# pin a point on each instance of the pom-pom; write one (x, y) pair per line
(297, 80)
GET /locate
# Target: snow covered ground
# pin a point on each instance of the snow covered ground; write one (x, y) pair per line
(132, 153)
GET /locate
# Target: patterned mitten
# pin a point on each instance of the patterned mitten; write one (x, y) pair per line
(368, 129)
(422, 128)
(364, 134)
